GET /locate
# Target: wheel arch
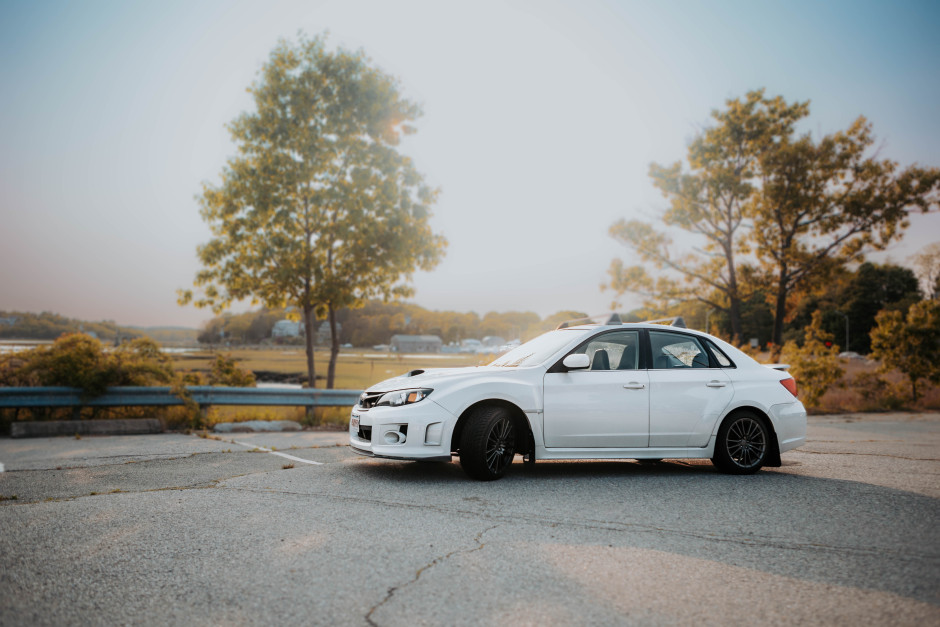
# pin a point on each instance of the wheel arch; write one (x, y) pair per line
(519, 419)
(773, 456)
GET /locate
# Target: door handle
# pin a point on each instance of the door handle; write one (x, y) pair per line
(633, 385)
(716, 384)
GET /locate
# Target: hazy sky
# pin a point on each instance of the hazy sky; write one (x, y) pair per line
(541, 119)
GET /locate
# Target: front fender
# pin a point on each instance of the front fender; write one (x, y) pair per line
(525, 392)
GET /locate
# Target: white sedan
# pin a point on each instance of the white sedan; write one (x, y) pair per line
(613, 391)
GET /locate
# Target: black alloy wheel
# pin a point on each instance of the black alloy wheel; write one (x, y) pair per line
(743, 444)
(488, 443)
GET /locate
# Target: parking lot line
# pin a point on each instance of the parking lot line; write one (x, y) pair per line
(278, 453)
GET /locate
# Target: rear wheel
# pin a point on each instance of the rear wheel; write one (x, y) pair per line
(488, 443)
(743, 444)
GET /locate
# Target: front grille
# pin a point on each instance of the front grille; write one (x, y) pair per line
(365, 433)
(368, 400)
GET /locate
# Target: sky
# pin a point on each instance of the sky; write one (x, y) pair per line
(540, 122)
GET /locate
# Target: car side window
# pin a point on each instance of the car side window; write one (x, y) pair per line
(613, 351)
(672, 350)
(719, 356)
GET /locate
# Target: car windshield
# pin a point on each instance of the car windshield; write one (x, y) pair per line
(535, 351)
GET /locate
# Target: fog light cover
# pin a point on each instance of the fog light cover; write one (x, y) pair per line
(432, 435)
(394, 437)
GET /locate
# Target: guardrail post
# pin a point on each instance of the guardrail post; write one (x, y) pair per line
(77, 412)
(204, 414)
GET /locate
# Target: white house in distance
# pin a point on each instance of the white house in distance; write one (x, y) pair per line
(493, 341)
(416, 344)
(286, 328)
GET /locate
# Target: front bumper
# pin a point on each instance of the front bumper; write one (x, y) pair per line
(421, 431)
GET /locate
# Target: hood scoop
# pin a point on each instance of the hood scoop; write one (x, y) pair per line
(413, 373)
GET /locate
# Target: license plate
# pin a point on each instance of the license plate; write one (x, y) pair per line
(354, 421)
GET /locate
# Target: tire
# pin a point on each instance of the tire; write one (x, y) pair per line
(743, 444)
(488, 443)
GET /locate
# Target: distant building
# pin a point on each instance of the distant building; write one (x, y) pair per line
(9, 321)
(323, 334)
(493, 341)
(286, 328)
(470, 345)
(416, 344)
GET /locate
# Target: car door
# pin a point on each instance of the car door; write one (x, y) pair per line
(687, 395)
(604, 406)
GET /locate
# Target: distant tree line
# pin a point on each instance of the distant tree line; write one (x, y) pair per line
(376, 322)
(21, 325)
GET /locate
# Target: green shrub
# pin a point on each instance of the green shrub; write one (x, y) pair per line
(226, 372)
(910, 344)
(814, 365)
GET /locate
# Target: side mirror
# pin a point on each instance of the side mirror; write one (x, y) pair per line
(576, 361)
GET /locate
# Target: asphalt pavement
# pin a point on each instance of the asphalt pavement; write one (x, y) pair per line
(294, 529)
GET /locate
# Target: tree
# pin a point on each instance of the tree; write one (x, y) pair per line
(821, 205)
(856, 298)
(927, 266)
(318, 210)
(815, 365)
(909, 343)
(708, 201)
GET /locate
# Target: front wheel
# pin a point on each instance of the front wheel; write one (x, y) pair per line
(488, 443)
(742, 445)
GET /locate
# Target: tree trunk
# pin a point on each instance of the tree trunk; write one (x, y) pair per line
(309, 323)
(779, 315)
(734, 300)
(334, 348)
(734, 312)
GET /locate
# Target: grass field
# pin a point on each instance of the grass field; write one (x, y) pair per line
(355, 370)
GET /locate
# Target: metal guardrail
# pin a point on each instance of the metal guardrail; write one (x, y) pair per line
(204, 395)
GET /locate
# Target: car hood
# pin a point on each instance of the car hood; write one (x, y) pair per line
(430, 377)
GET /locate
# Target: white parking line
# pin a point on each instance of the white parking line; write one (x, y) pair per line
(278, 453)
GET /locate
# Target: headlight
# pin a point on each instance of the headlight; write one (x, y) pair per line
(403, 397)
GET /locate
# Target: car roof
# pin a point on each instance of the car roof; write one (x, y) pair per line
(631, 325)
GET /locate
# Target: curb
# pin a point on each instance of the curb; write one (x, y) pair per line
(50, 428)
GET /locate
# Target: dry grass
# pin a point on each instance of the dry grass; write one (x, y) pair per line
(855, 392)
(355, 370)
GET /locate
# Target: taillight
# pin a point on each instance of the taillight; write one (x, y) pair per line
(790, 384)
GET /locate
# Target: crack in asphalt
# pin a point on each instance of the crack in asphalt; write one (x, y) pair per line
(913, 459)
(62, 499)
(754, 540)
(437, 560)
(154, 458)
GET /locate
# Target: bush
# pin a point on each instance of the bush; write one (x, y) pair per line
(226, 372)
(876, 392)
(815, 366)
(910, 344)
(80, 361)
